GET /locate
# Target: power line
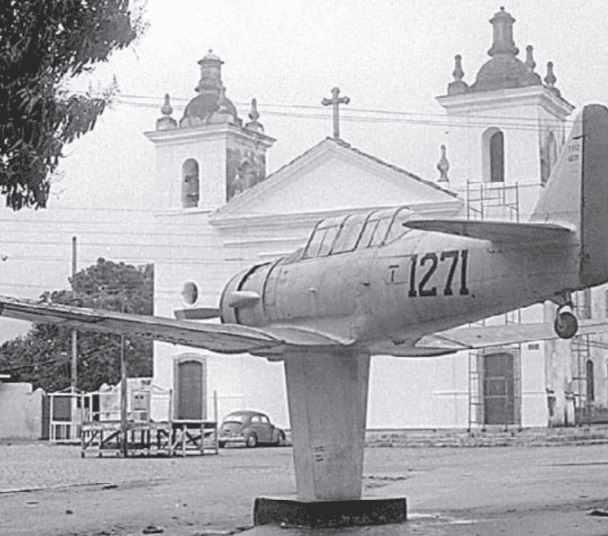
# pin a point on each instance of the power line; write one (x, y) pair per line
(157, 102)
(397, 116)
(460, 121)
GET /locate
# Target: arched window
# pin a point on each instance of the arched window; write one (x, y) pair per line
(551, 150)
(548, 157)
(497, 157)
(493, 155)
(190, 184)
(589, 381)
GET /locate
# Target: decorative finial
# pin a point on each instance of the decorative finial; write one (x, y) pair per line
(531, 78)
(166, 122)
(443, 166)
(167, 109)
(458, 86)
(458, 73)
(550, 79)
(254, 115)
(211, 57)
(530, 63)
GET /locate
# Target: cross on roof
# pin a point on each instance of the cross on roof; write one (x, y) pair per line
(335, 102)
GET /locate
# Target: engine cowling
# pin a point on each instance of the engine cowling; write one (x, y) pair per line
(242, 300)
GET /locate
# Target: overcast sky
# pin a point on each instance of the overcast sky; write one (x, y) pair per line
(385, 55)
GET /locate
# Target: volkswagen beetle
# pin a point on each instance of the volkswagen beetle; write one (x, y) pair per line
(251, 428)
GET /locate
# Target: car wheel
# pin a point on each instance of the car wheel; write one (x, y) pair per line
(280, 439)
(252, 440)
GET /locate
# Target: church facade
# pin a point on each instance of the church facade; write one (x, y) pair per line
(222, 212)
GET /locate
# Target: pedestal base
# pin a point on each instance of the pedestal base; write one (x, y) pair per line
(267, 511)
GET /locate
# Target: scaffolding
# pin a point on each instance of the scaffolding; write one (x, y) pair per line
(492, 199)
(497, 201)
(476, 407)
(580, 346)
(103, 432)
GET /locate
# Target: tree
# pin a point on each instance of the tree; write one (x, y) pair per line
(43, 44)
(43, 356)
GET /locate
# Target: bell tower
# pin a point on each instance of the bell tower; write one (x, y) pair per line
(507, 126)
(209, 155)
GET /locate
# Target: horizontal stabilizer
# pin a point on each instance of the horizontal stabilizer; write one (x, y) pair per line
(496, 231)
(197, 313)
(473, 337)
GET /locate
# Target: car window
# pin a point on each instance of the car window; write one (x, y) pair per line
(235, 418)
(264, 419)
(255, 418)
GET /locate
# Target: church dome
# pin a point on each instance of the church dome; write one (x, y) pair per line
(226, 106)
(211, 104)
(501, 72)
(504, 70)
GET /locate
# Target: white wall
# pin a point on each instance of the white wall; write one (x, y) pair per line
(20, 411)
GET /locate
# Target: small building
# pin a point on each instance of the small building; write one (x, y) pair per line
(21, 410)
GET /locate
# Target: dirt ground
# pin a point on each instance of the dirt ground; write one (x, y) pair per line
(50, 490)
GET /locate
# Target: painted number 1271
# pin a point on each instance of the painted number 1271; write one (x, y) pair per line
(423, 280)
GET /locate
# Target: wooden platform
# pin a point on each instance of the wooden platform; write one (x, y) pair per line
(174, 438)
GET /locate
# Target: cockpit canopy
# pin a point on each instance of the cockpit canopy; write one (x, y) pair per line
(342, 234)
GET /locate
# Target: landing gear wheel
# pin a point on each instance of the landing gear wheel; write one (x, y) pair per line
(565, 325)
(251, 441)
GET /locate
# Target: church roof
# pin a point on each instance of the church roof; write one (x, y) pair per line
(393, 167)
(343, 151)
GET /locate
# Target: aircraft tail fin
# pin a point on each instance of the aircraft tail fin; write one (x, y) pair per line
(576, 194)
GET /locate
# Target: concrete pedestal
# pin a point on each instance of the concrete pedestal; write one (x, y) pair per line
(318, 514)
(327, 395)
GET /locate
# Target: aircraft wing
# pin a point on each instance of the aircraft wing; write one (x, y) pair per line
(495, 231)
(474, 337)
(223, 338)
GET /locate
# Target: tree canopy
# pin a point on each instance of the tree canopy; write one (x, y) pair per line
(43, 356)
(44, 44)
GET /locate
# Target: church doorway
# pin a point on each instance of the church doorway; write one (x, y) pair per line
(190, 388)
(500, 387)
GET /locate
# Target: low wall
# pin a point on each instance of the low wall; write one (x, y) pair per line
(492, 437)
(20, 411)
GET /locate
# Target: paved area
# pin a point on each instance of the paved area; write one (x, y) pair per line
(469, 491)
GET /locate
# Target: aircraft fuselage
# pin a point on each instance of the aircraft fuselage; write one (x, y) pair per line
(422, 283)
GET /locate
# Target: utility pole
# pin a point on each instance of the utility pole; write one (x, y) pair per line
(74, 369)
(123, 396)
(74, 379)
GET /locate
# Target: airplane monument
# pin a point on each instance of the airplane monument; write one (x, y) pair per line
(389, 283)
